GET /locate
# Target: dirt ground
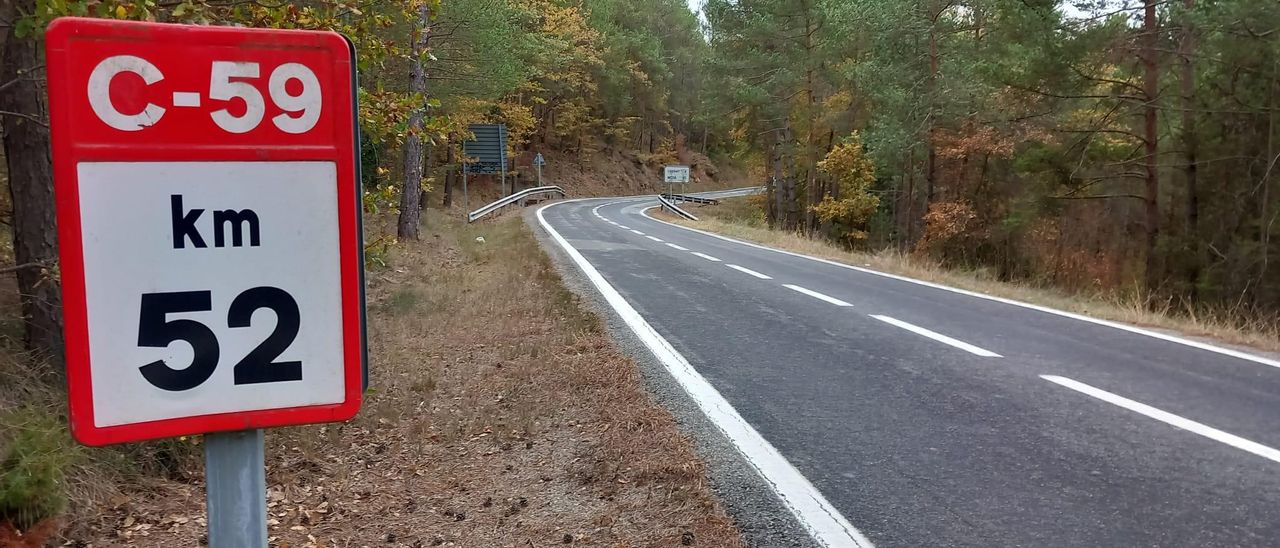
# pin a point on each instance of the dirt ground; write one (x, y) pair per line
(500, 415)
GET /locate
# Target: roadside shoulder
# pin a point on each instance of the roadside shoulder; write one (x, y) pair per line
(763, 519)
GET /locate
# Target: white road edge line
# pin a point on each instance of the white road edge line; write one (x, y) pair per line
(705, 256)
(816, 295)
(674, 246)
(823, 522)
(1168, 418)
(938, 337)
(1107, 323)
(749, 272)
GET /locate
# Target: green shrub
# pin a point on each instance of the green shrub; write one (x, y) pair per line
(34, 456)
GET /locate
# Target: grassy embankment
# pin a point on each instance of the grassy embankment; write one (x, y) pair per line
(740, 218)
(500, 415)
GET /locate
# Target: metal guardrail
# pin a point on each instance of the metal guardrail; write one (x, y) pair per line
(690, 199)
(477, 214)
(667, 204)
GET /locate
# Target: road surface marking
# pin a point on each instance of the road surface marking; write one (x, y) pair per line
(674, 246)
(816, 295)
(1062, 313)
(822, 520)
(624, 227)
(705, 256)
(637, 231)
(938, 337)
(652, 238)
(1168, 418)
(749, 271)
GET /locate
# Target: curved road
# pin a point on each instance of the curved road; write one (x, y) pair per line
(927, 416)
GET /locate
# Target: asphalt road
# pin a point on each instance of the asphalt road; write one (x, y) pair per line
(930, 417)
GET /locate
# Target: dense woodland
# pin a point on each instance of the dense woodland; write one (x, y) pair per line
(573, 76)
(1108, 145)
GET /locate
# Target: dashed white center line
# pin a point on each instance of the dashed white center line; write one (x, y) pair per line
(674, 246)
(816, 295)
(749, 272)
(652, 238)
(938, 337)
(637, 232)
(624, 227)
(705, 256)
(1168, 418)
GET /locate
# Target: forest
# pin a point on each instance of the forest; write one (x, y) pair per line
(1104, 145)
(1094, 146)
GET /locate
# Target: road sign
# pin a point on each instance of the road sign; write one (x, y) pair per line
(539, 160)
(208, 214)
(488, 150)
(675, 174)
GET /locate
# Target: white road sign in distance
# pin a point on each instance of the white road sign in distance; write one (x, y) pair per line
(208, 216)
(675, 174)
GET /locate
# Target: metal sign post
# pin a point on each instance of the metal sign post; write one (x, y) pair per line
(538, 162)
(236, 494)
(220, 182)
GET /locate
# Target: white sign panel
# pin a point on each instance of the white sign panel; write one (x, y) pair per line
(218, 261)
(676, 174)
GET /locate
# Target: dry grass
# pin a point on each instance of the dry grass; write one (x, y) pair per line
(500, 415)
(737, 218)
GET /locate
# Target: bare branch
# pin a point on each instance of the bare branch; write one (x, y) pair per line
(25, 116)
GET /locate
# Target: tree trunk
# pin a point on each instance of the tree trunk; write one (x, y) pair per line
(810, 140)
(777, 186)
(1151, 89)
(410, 198)
(450, 177)
(35, 236)
(1191, 145)
(911, 200)
(931, 173)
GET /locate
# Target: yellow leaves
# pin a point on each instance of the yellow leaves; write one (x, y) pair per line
(854, 174)
(848, 163)
(121, 12)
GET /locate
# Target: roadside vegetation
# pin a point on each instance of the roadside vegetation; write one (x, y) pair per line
(552, 429)
(1125, 149)
(499, 414)
(744, 219)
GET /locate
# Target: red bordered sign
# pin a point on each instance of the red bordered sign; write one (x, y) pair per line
(209, 224)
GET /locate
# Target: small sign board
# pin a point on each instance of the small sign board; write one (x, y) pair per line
(675, 174)
(486, 152)
(539, 160)
(209, 219)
